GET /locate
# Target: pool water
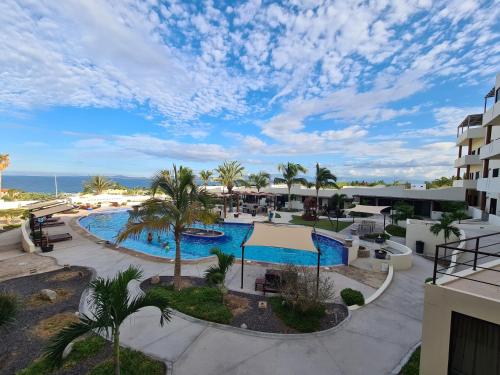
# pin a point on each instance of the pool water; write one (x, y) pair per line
(106, 225)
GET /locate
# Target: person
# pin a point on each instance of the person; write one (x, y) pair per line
(167, 246)
(150, 237)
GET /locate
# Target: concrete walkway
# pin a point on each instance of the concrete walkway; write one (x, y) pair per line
(372, 341)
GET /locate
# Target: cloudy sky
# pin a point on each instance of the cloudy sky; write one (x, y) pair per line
(369, 88)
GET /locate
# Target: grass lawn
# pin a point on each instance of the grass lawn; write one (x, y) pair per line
(395, 230)
(201, 302)
(322, 223)
(412, 367)
(302, 322)
(132, 362)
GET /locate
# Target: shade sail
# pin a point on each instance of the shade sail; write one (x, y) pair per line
(52, 210)
(43, 204)
(285, 236)
(374, 210)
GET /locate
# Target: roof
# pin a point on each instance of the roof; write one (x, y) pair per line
(472, 120)
(374, 210)
(285, 236)
(42, 204)
(52, 210)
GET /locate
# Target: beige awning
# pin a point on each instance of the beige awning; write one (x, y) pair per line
(285, 236)
(52, 210)
(373, 210)
(43, 204)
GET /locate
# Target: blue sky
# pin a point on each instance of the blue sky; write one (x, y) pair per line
(371, 89)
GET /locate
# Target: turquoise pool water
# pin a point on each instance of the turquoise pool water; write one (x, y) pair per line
(106, 225)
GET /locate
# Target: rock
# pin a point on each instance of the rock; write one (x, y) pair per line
(48, 294)
(244, 326)
(77, 314)
(67, 350)
(155, 279)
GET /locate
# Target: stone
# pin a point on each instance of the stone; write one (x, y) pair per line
(155, 279)
(262, 305)
(49, 295)
(67, 350)
(77, 314)
(244, 326)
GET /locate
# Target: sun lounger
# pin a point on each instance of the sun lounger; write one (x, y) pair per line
(54, 238)
(50, 224)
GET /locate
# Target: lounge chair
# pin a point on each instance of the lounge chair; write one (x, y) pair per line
(271, 283)
(53, 238)
(50, 224)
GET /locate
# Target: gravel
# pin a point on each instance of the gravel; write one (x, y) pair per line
(20, 346)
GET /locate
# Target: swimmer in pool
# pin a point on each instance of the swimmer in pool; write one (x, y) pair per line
(150, 237)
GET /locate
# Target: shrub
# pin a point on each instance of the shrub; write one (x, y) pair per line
(373, 236)
(298, 288)
(396, 230)
(352, 297)
(277, 216)
(8, 307)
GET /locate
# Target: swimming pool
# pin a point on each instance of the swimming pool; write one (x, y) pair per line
(106, 225)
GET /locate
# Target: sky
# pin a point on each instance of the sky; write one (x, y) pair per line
(369, 89)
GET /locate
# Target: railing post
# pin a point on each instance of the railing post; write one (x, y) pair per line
(436, 256)
(475, 254)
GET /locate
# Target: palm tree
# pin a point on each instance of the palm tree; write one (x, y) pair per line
(4, 163)
(459, 215)
(324, 178)
(206, 176)
(446, 226)
(216, 274)
(290, 172)
(337, 203)
(185, 204)
(230, 175)
(259, 180)
(111, 304)
(9, 305)
(98, 184)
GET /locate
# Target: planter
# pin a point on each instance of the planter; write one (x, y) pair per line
(380, 254)
(379, 240)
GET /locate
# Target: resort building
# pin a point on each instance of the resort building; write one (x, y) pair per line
(478, 161)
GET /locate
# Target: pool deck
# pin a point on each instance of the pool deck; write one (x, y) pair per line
(373, 340)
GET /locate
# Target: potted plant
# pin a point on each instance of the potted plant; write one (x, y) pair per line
(380, 254)
(380, 239)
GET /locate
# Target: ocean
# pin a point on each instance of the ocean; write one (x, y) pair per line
(65, 184)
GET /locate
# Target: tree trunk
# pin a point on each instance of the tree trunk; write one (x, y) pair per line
(317, 202)
(116, 350)
(0, 184)
(289, 200)
(225, 207)
(177, 264)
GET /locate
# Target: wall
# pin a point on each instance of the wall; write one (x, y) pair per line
(16, 204)
(439, 302)
(418, 230)
(401, 261)
(26, 243)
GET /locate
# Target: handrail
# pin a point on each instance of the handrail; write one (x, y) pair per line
(476, 251)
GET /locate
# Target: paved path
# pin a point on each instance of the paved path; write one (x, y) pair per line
(372, 341)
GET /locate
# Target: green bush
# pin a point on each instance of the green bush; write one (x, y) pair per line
(373, 236)
(277, 216)
(395, 230)
(352, 297)
(302, 321)
(412, 367)
(8, 308)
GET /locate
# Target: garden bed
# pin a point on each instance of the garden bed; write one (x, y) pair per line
(321, 223)
(38, 319)
(200, 301)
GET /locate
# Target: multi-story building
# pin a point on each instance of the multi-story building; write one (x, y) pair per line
(478, 161)
(489, 182)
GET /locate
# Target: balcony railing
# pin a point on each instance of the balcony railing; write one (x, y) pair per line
(446, 265)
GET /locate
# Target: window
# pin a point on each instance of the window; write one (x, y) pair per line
(477, 175)
(495, 172)
(474, 346)
(497, 95)
(473, 152)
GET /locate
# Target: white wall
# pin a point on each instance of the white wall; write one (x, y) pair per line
(418, 230)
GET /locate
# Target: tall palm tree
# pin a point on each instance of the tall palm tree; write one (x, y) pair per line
(324, 178)
(290, 171)
(259, 180)
(206, 176)
(111, 304)
(337, 203)
(185, 204)
(445, 225)
(230, 175)
(4, 163)
(98, 184)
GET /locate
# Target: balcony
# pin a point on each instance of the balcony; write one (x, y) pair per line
(490, 184)
(491, 150)
(474, 132)
(468, 184)
(467, 160)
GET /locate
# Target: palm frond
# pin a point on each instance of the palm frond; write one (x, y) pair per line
(152, 299)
